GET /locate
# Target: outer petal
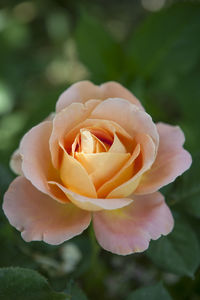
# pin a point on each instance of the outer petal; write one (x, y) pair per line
(93, 204)
(86, 90)
(36, 159)
(78, 92)
(40, 217)
(128, 116)
(129, 229)
(112, 89)
(171, 161)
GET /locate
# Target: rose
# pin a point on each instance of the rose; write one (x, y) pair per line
(100, 156)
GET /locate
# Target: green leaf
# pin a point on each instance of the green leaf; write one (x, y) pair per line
(154, 292)
(178, 252)
(187, 94)
(166, 42)
(74, 292)
(187, 192)
(97, 49)
(25, 284)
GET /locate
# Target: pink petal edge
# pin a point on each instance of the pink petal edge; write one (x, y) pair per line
(40, 217)
(172, 160)
(130, 229)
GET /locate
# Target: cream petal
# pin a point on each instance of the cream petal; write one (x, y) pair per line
(88, 144)
(130, 229)
(132, 119)
(93, 204)
(171, 161)
(85, 90)
(39, 217)
(117, 146)
(122, 176)
(36, 159)
(65, 121)
(102, 166)
(16, 162)
(75, 177)
(147, 157)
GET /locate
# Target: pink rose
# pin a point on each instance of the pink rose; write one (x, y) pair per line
(102, 157)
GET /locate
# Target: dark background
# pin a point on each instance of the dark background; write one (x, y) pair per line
(151, 47)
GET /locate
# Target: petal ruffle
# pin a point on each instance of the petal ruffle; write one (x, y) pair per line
(171, 161)
(39, 217)
(130, 229)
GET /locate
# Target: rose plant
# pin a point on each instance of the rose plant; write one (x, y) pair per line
(99, 157)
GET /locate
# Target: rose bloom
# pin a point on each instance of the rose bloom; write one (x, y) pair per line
(99, 157)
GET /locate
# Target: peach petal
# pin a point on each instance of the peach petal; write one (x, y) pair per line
(65, 121)
(36, 159)
(81, 91)
(148, 153)
(122, 176)
(100, 146)
(16, 162)
(130, 229)
(171, 161)
(112, 89)
(39, 217)
(93, 204)
(102, 166)
(85, 90)
(75, 177)
(128, 116)
(76, 145)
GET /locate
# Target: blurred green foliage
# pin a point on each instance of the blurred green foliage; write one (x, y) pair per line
(44, 47)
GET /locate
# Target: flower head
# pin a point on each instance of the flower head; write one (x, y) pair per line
(100, 157)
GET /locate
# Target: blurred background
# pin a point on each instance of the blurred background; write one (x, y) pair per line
(153, 48)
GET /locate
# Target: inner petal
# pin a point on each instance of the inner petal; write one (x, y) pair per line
(75, 177)
(102, 130)
(88, 143)
(102, 166)
(143, 162)
(123, 175)
(117, 146)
